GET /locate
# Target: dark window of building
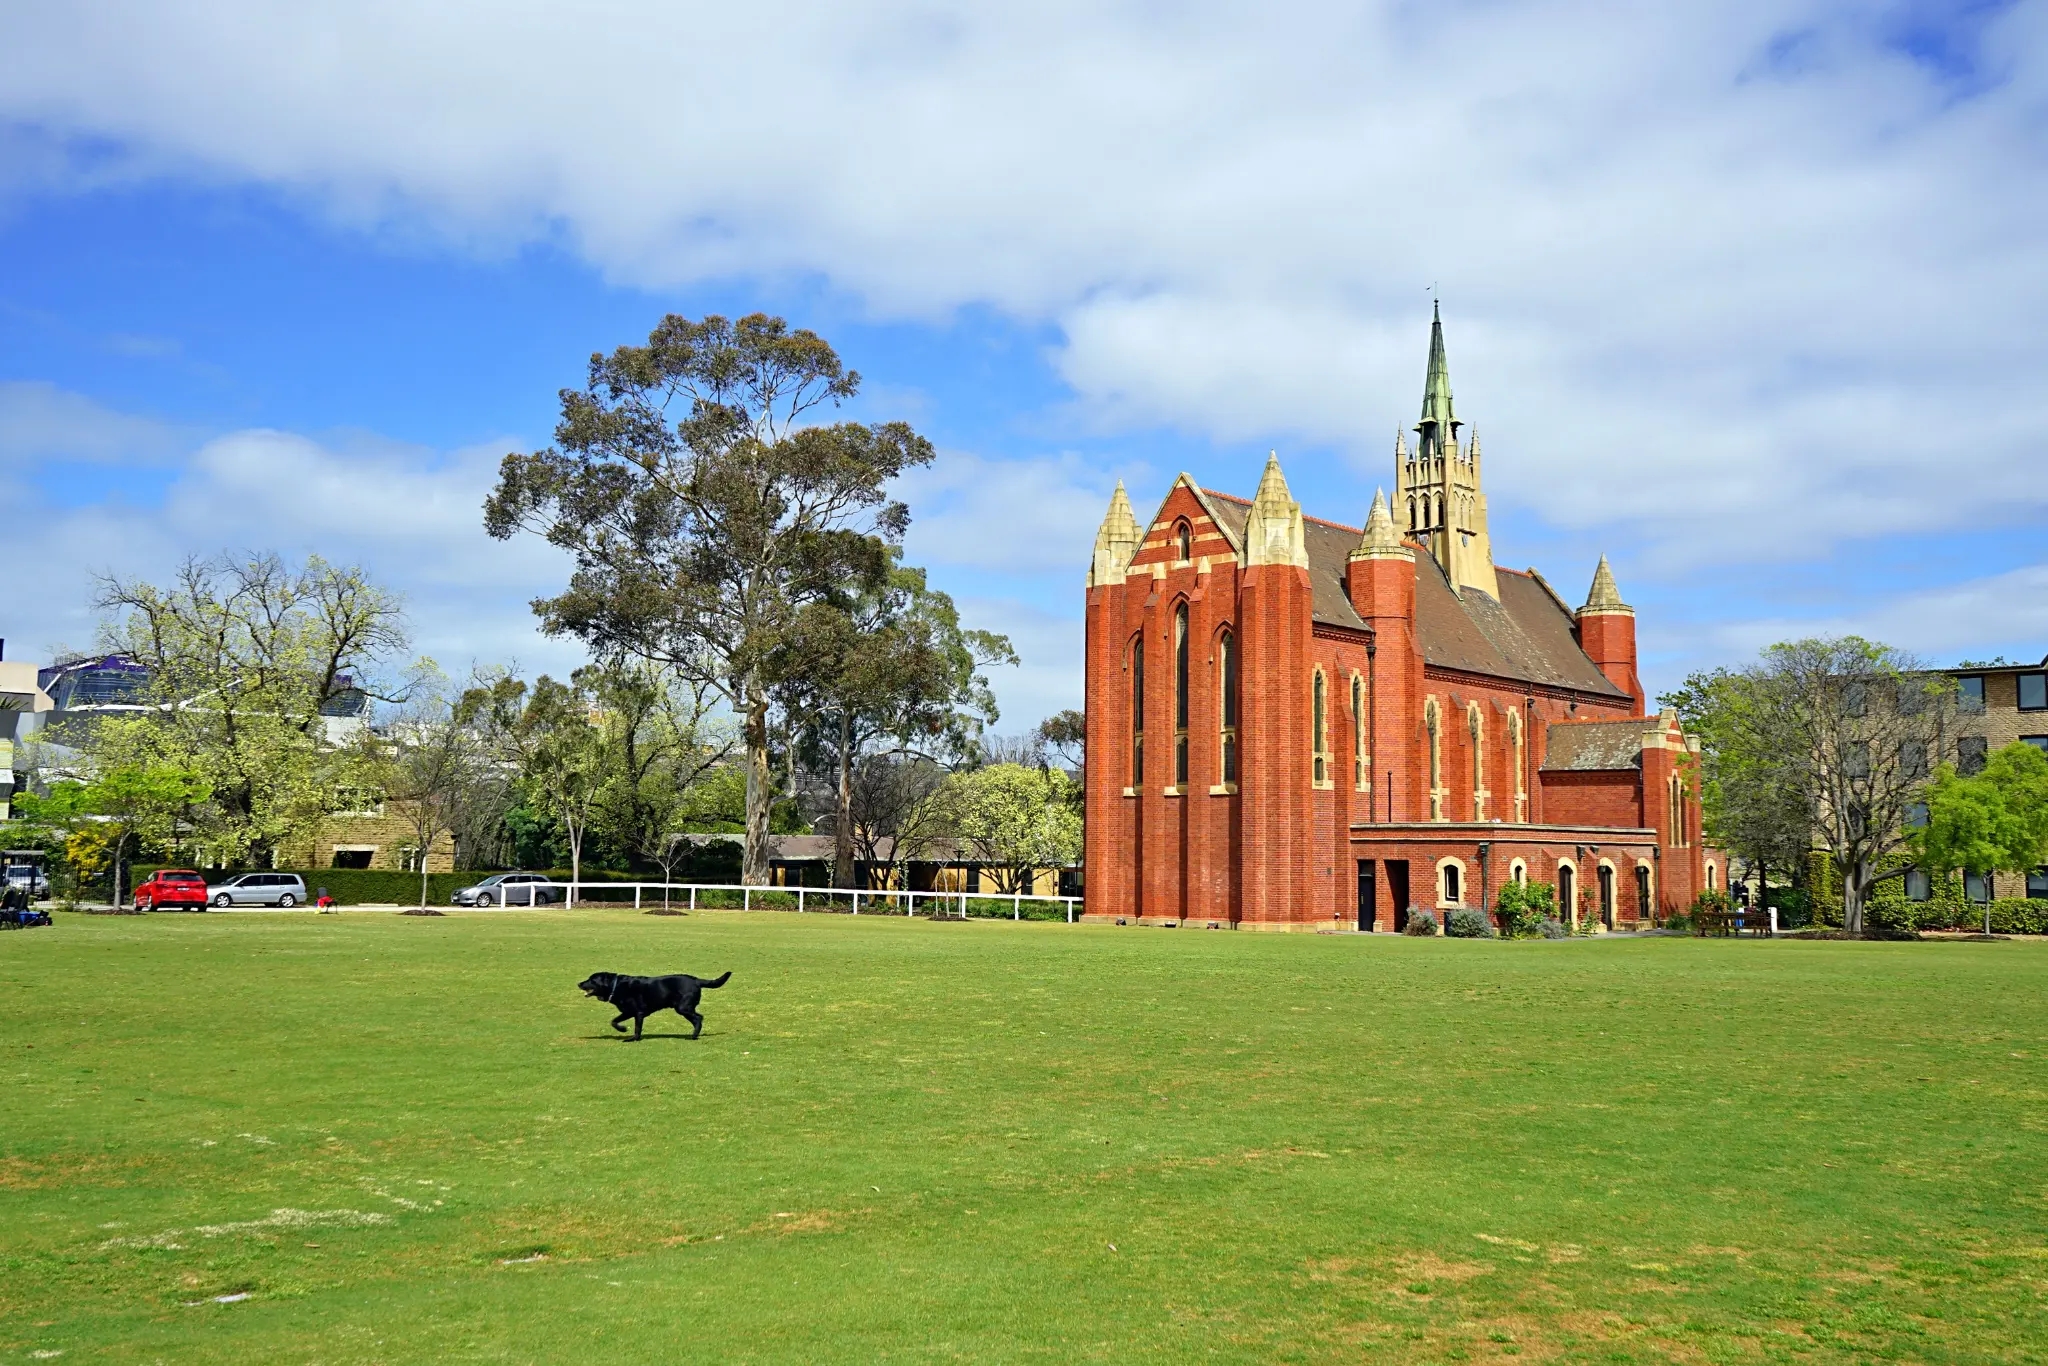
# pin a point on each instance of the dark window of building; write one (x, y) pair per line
(2037, 741)
(1180, 696)
(1453, 883)
(1977, 887)
(1918, 886)
(1320, 728)
(1913, 759)
(1970, 755)
(1184, 542)
(1856, 759)
(351, 858)
(1137, 712)
(1970, 694)
(2033, 692)
(1226, 650)
(1912, 696)
(2037, 885)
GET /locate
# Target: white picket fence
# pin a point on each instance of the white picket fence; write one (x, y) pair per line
(876, 902)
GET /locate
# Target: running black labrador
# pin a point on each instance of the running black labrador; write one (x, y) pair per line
(635, 998)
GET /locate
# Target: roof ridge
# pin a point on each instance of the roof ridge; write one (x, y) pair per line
(1227, 497)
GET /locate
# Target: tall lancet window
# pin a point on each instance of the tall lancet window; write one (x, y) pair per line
(1358, 732)
(1320, 732)
(1184, 542)
(1226, 668)
(1138, 711)
(1180, 696)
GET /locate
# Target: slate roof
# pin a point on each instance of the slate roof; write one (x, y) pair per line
(1526, 636)
(1596, 746)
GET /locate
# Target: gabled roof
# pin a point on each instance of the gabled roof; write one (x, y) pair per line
(1597, 746)
(1525, 636)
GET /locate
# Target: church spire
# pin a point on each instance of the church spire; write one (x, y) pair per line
(1437, 412)
(1381, 541)
(1439, 491)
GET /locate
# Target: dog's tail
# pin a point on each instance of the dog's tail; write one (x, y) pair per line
(716, 981)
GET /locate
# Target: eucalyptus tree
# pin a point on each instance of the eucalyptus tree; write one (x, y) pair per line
(704, 505)
(890, 666)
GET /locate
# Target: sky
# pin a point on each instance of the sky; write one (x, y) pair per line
(1746, 296)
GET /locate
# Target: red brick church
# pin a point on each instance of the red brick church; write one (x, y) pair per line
(1295, 724)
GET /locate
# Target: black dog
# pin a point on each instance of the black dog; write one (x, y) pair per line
(635, 998)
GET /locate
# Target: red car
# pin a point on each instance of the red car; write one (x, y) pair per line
(171, 889)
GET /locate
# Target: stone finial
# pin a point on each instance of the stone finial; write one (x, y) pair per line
(1274, 532)
(1604, 596)
(1116, 541)
(1381, 541)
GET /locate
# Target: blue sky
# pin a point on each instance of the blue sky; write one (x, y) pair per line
(1745, 296)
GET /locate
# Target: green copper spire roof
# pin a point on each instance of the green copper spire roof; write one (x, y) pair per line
(1436, 390)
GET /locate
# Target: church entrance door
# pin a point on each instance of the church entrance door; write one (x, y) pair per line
(1606, 896)
(1368, 903)
(1397, 891)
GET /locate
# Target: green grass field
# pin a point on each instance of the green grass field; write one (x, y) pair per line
(412, 1140)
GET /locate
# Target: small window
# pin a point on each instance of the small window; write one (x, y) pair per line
(1184, 543)
(1918, 886)
(1320, 731)
(351, 858)
(1970, 694)
(1453, 880)
(1856, 759)
(1970, 755)
(1710, 877)
(2034, 692)
(1855, 698)
(1976, 887)
(2037, 741)
(2037, 885)
(1913, 759)
(1912, 696)
(1916, 815)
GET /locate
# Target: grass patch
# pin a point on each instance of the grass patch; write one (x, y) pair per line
(415, 1142)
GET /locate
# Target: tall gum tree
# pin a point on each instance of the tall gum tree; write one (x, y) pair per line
(705, 507)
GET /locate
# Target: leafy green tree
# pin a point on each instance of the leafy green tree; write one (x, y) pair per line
(1995, 821)
(705, 507)
(549, 732)
(139, 804)
(1825, 738)
(1523, 907)
(253, 668)
(1014, 819)
(1752, 801)
(886, 664)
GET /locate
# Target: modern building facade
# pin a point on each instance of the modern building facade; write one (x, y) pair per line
(1297, 725)
(1996, 704)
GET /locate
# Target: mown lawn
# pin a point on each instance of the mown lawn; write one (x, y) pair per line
(412, 1140)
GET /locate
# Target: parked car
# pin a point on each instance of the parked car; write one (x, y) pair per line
(171, 889)
(259, 889)
(28, 877)
(511, 889)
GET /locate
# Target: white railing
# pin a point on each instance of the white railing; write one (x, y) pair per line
(523, 895)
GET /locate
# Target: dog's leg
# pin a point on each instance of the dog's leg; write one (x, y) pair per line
(694, 1018)
(637, 1020)
(620, 1023)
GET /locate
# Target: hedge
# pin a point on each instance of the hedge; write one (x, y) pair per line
(1887, 907)
(380, 886)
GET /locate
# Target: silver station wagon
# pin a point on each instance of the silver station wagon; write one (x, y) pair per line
(258, 889)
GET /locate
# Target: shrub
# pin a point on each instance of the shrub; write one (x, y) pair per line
(1523, 907)
(1553, 929)
(1420, 923)
(1468, 925)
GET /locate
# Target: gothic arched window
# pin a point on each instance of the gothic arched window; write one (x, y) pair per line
(1358, 732)
(1184, 542)
(1180, 696)
(1320, 729)
(1138, 711)
(1226, 668)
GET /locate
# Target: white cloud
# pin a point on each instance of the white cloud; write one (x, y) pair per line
(40, 422)
(1743, 275)
(412, 518)
(2005, 612)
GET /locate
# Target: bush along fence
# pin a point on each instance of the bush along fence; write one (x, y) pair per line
(1945, 909)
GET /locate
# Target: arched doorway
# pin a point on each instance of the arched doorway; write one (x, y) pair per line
(1607, 896)
(1568, 894)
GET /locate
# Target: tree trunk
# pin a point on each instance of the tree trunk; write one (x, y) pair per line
(425, 844)
(575, 862)
(842, 839)
(1852, 899)
(760, 789)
